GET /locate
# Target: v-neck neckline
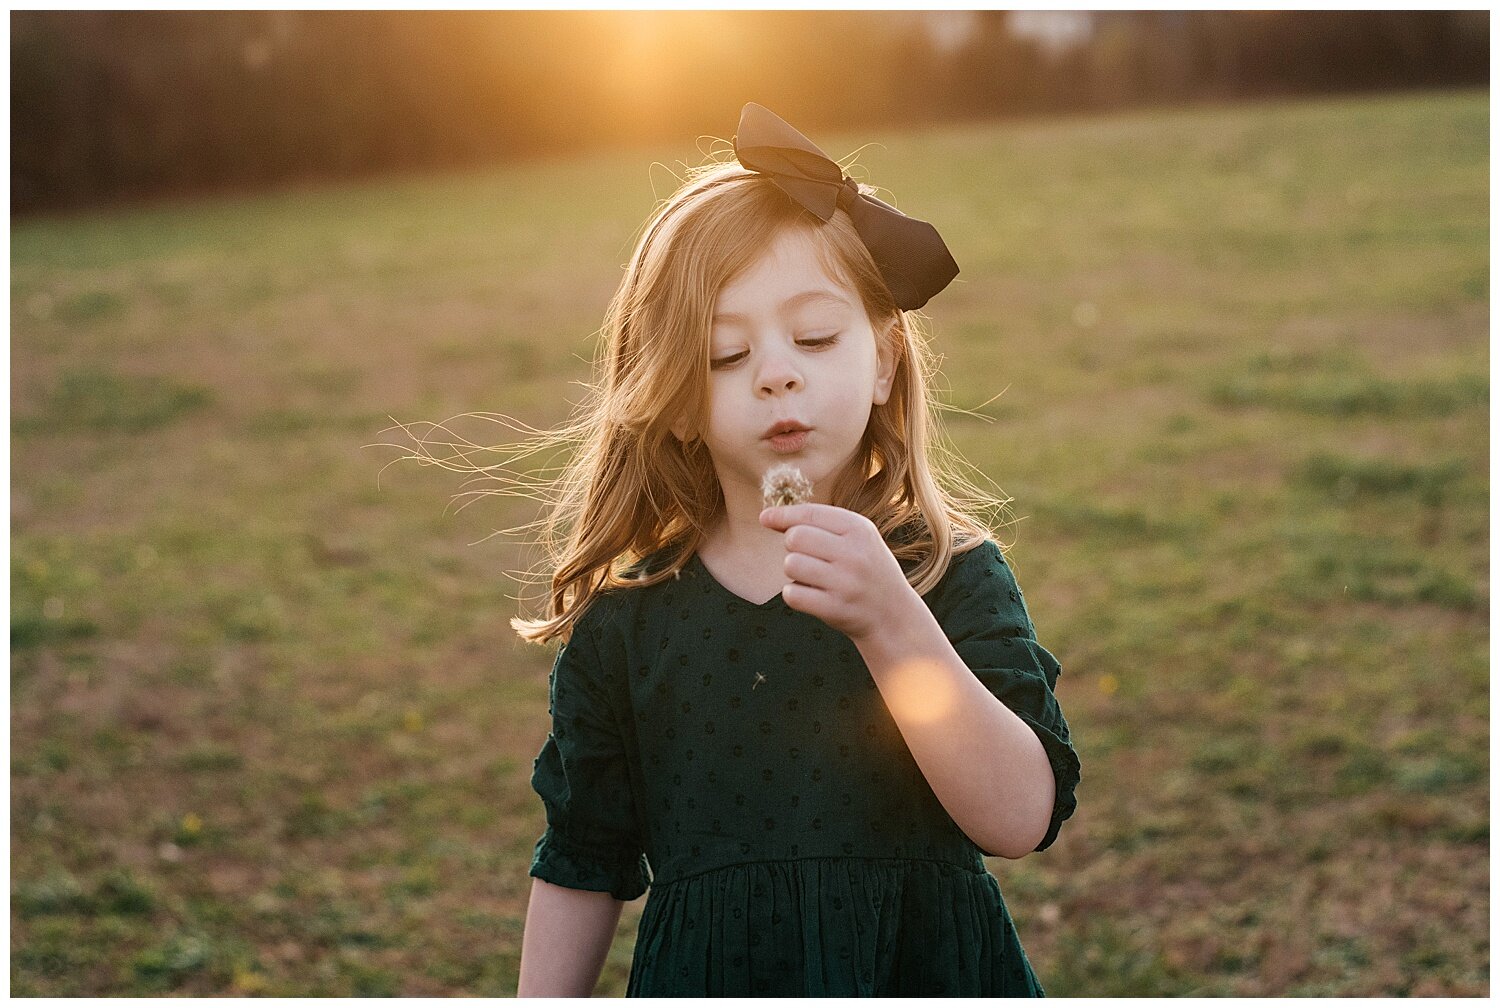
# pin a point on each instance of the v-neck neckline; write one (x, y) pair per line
(767, 604)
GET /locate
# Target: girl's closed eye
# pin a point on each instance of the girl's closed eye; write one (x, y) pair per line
(819, 343)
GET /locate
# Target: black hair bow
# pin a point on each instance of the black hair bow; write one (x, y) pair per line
(909, 253)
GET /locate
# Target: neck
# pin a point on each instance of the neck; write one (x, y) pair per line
(738, 532)
(737, 529)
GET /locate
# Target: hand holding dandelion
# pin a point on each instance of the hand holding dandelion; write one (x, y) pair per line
(841, 568)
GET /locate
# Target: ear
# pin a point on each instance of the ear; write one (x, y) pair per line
(885, 365)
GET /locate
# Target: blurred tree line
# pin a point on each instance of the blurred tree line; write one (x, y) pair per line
(111, 105)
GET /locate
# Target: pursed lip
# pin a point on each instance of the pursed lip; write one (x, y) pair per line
(784, 427)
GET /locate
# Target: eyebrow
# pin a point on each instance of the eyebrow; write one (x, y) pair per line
(795, 301)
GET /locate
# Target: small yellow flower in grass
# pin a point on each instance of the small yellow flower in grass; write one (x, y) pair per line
(247, 981)
(1108, 684)
(192, 824)
(412, 721)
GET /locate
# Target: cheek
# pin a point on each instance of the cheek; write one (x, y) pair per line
(720, 411)
(860, 372)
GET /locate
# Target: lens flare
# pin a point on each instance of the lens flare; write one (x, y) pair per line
(919, 691)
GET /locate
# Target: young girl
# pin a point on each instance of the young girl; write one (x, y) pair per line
(801, 727)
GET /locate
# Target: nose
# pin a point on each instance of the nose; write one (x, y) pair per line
(778, 374)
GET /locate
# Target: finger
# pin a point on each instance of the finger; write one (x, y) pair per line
(834, 519)
(806, 598)
(808, 570)
(813, 541)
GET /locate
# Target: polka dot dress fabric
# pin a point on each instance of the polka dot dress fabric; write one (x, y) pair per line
(739, 761)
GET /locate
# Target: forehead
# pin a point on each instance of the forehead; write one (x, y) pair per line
(789, 266)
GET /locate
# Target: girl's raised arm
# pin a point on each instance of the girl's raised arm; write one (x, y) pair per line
(566, 937)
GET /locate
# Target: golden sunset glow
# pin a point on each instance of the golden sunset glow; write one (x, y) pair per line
(654, 57)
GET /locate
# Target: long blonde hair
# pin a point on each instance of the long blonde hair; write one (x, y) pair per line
(633, 489)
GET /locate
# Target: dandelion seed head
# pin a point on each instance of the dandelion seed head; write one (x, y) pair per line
(784, 485)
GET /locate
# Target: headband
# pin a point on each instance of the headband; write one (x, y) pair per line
(909, 253)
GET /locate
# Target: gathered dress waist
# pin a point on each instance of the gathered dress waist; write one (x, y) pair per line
(830, 927)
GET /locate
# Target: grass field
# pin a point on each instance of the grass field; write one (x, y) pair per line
(271, 732)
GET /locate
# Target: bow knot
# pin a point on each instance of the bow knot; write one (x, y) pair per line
(910, 254)
(848, 193)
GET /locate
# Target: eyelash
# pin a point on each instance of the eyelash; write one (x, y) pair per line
(724, 362)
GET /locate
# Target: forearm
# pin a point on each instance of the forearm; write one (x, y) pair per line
(566, 937)
(985, 765)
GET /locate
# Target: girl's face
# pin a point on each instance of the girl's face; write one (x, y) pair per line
(789, 342)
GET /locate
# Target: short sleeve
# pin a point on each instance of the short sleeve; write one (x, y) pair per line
(593, 840)
(983, 613)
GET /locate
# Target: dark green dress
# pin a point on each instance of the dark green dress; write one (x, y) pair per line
(745, 755)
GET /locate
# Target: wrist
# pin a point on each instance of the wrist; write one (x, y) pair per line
(896, 628)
